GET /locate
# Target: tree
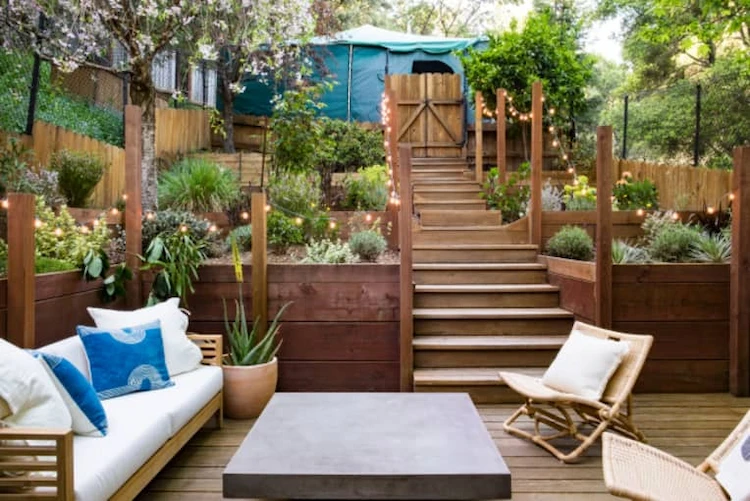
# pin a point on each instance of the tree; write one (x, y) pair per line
(450, 18)
(261, 37)
(543, 50)
(71, 32)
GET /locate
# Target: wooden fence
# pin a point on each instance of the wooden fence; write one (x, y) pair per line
(181, 131)
(682, 187)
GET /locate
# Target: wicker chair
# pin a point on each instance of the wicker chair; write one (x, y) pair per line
(554, 409)
(643, 473)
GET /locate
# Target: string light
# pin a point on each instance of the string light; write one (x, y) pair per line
(675, 216)
(245, 215)
(183, 228)
(4, 203)
(639, 212)
(212, 228)
(150, 216)
(731, 196)
(368, 217)
(710, 210)
(332, 225)
(298, 220)
(58, 232)
(38, 223)
(114, 211)
(267, 208)
(125, 196)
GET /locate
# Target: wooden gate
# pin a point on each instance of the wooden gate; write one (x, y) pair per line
(430, 113)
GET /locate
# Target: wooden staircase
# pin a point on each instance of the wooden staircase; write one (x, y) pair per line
(481, 300)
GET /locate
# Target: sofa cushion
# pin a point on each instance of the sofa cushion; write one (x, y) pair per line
(125, 360)
(71, 349)
(102, 465)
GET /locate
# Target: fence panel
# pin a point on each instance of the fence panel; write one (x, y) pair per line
(181, 131)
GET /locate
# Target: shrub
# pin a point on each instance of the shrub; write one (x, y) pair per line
(368, 245)
(579, 195)
(295, 193)
(712, 220)
(367, 191)
(631, 195)
(624, 253)
(655, 222)
(282, 231)
(3, 257)
(552, 197)
(353, 146)
(52, 265)
(318, 226)
(78, 175)
(198, 185)
(166, 222)
(44, 183)
(13, 166)
(328, 252)
(715, 248)
(509, 197)
(243, 235)
(238, 212)
(175, 257)
(673, 243)
(571, 242)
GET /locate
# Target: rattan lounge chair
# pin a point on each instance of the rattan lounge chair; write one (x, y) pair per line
(643, 473)
(566, 414)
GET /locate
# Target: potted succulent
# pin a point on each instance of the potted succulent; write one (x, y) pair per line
(250, 368)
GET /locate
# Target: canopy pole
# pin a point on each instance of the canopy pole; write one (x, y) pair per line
(349, 86)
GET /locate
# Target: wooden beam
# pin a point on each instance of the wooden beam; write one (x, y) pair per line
(603, 287)
(479, 153)
(259, 260)
(392, 133)
(739, 320)
(133, 207)
(500, 133)
(535, 209)
(406, 272)
(21, 272)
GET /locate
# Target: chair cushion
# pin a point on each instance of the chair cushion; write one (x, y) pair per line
(734, 470)
(181, 354)
(137, 430)
(584, 365)
(29, 392)
(72, 350)
(125, 360)
(79, 396)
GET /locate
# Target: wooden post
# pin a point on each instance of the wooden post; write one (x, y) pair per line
(603, 286)
(501, 153)
(405, 271)
(259, 260)
(479, 152)
(391, 133)
(21, 273)
(739, 320)
(133, 208)
(535, 212)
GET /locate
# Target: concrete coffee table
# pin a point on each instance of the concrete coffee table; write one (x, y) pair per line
(368, 446)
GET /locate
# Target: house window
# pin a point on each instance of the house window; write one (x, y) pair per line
(198, 85)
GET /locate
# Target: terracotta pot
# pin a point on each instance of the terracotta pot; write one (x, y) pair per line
(247, 389)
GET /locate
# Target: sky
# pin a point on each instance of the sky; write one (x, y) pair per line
(602, 38)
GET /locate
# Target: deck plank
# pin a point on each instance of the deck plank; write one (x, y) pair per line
(689, 426)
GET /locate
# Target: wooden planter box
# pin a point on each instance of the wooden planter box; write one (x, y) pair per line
(577, 281)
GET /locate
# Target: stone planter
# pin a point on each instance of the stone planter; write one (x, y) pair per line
(247, 389)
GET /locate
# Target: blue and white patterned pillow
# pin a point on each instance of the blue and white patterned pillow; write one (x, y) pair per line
(79, 396)
(125, 360)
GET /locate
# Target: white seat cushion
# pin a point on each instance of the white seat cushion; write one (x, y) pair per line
(734, 470)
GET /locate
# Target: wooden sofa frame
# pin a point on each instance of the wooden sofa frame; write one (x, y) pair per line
(58, 458)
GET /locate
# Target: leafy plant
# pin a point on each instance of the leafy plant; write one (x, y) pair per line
(713, 221)
(716, 248)
(367, 190)
(509, 197)
(198, 185)
(368, 245)
(673, 243)
(552, 197)
(624, 253)
(78, 175)
(579, 195)
(176, 258)
(295, 193)
(282, 231)
(246, 347)
(113, 286)
(656, 221)
(44, 183)
(51, 265)
(243, 236)
(13, 166)
(571, 242)
(631, 194)
(238, 212)
(167, 222)
(328, 252)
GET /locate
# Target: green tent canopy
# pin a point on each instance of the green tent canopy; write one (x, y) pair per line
(357, 60)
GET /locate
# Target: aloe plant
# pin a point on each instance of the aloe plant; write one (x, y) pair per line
(246, 346)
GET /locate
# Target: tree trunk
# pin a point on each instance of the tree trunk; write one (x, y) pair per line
(228, 115)
(143, 94)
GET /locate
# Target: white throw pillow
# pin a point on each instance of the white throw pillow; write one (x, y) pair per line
(29, 392)
(181, 354)
(734, 471)
(584, 365)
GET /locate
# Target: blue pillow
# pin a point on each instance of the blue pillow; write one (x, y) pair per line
(79, 396)
(125, 360)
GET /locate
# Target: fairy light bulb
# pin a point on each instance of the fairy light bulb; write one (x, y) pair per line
(731, 196)
(639, 212)
(4, 204)
(368, 217)
(183, 228)
(551, 129)
(267, 208)
(95, 223)
(58, 232)
(675, 216)
(565, 156)
(389, 183)
(571, 170)
(125, 196)
(85, 230)
(212, 228)
(710, 210)
(332, 225)
(114, 211)
(38, 223)
(150, 216)
(298, 221)
(555, 143)
(551, 111)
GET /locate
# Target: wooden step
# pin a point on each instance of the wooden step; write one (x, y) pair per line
(449, 192)
(463, 218)
(479, 273)
(549, 326)
(440, 183)
(486, 351)
(467, 235)
(438, 161)
(483, 384)
(490, 313)
(475, 253)
(418, 177)
(459, 205)
(486, 296)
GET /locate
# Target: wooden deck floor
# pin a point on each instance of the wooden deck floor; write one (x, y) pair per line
(688, 426)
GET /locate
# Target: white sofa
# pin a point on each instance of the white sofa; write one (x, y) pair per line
(146, 429)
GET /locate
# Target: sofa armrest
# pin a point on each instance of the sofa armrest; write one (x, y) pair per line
(211, 345)
(48, 452)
